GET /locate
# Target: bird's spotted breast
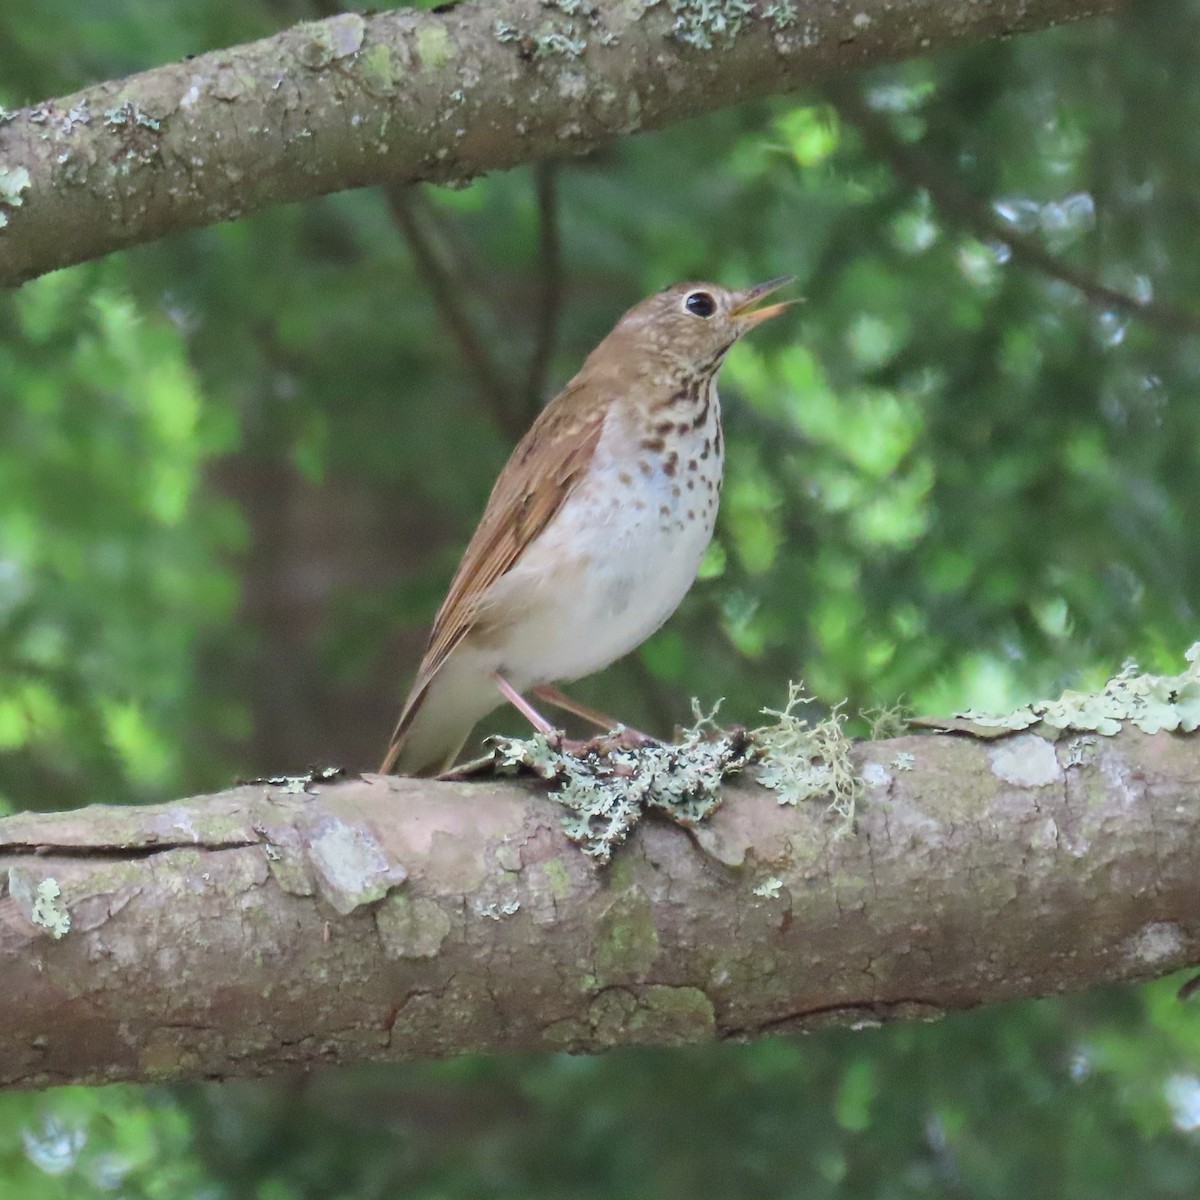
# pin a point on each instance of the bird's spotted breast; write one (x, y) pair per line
(638, 534)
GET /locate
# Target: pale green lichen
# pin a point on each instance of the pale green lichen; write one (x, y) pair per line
(607, 793)
(707, 23)
(903, 761)
(769, 888)
(552, 39)
(47, 911)
(559, 42)
(380, 67)
(433, 46)
(129, 114)
(783, 14)
(806, 761)
(1151, 703)
(14, 182)
(497, 911)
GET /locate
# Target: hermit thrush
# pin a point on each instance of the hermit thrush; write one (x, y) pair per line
(595, 529)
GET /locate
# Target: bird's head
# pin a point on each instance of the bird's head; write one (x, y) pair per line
(691, 326)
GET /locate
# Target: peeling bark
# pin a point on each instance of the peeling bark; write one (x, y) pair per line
(386, 918)
(407, 96)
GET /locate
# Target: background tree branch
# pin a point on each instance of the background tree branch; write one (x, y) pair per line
(384, 918)
(405, 96)
(919, 169)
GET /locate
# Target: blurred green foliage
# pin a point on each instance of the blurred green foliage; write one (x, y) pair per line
(237, 468)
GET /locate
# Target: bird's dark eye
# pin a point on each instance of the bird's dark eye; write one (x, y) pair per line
(700, 304)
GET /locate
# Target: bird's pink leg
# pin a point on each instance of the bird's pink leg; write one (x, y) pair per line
(522, 705)
(551, 695)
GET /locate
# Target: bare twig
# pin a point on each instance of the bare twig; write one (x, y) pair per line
(479, 363)
(920, 169)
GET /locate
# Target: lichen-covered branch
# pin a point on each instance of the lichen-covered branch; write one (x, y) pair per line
(383, 918)
(405, 96)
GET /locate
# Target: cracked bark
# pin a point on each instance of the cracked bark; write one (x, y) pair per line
(381, 918)
(406, 96)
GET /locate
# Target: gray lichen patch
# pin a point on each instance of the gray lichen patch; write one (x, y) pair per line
(1156, 942)
(1026, 761)
(351, 867)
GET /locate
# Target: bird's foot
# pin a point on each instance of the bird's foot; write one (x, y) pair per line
(619, 738)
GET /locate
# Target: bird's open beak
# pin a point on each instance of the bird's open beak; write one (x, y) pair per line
(743, 308)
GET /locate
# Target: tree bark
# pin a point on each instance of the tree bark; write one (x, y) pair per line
(406, 96)
(383, 918)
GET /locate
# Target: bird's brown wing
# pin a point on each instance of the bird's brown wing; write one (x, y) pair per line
(541, 473)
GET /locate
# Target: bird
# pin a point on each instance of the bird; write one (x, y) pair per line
(594, 530)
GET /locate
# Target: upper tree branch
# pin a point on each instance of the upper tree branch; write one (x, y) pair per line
(385, 918)
(406, 96)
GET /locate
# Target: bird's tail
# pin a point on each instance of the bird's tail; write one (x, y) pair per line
(438, 718)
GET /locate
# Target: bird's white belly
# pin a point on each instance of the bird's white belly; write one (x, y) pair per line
(610, 568)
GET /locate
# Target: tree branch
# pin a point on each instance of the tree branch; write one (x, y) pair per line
(386, 918)
(405, 96)
(479, 363)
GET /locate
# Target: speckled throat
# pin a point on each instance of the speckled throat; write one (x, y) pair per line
(683, 441)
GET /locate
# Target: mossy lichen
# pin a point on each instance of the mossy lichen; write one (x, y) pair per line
(433, 46)
(380, 67)
(1151, 703)
(806, 761)
(627, 944)
(607, 786)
